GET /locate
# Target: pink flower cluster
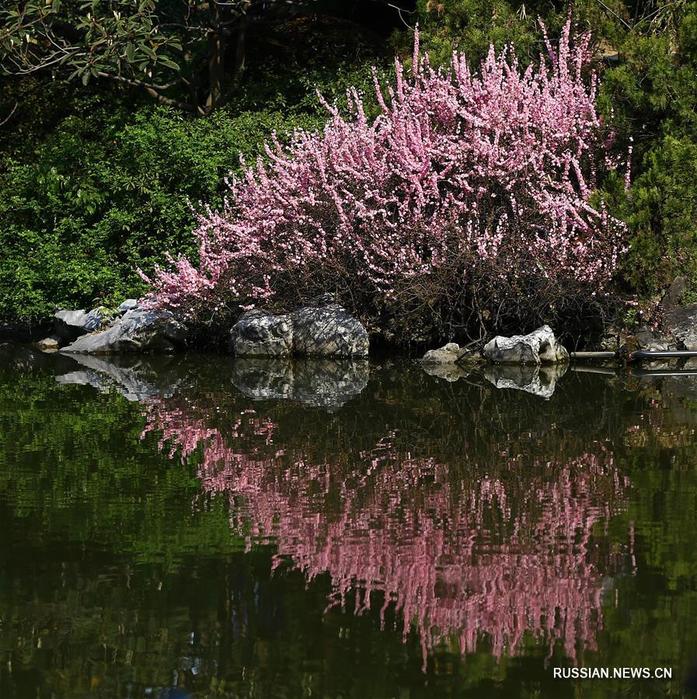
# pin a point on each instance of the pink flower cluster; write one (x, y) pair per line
(488, 173)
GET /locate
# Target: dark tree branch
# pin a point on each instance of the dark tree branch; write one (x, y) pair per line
(152, 91)
(9, 116)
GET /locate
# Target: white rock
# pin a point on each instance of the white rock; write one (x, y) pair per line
(69, 325)
(538, 347)
(127, 305)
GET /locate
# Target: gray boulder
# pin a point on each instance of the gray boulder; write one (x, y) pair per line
(328, 331)
(69, 325)
(681, 324)
(136, 331)
(673, 296)
(127, 305)
(260, 334)
(447, 354)
(647, 339)
(538, 347)
(323, 329)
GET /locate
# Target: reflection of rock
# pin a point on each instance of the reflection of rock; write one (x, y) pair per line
(24, 331)
(449, 372)
(136, 331)
(48, 344)
(70, 325)
(320, 383)
(540, 381)
(261, 334)
(329, 384)
(538, 347)
(263, 379)
(23, 358)
(136, 380)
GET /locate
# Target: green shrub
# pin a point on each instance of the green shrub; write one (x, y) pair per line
(471, 26)
(651, 95)
(110, 191)
(96, 181)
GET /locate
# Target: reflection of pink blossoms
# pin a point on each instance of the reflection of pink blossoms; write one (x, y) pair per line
(500, 556)
(493, 170)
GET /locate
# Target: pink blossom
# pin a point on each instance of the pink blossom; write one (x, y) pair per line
(493, 169)
(497, 556)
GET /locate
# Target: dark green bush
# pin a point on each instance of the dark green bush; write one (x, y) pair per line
(651, 95)
(96, 182)
(472, 26)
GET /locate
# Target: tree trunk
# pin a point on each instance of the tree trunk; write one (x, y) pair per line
(216, 58)
(240, 50)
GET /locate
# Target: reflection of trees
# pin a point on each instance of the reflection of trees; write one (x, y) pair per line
(500, 551)
(112, 563)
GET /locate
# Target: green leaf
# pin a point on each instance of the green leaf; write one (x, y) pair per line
(168, 62)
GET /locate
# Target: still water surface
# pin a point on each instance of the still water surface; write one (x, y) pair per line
(197, 527)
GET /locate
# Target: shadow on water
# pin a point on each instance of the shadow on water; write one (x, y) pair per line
(264, 528)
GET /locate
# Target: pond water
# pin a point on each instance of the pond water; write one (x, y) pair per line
(200, 527)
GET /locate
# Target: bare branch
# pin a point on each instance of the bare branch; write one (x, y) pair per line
(152, 90)
(9, 116)
(614, 14)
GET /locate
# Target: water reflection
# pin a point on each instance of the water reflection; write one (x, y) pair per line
(320, 383)
(232, 531)
(505, 550)
(538, 380)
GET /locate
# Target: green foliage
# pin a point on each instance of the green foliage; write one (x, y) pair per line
(109, 191)
(95, 182)
(163, 48)
(472, 26)
(189, 54)
(664, 216)
(651, 96)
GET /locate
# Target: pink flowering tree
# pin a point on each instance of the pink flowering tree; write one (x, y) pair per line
(471, 193)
